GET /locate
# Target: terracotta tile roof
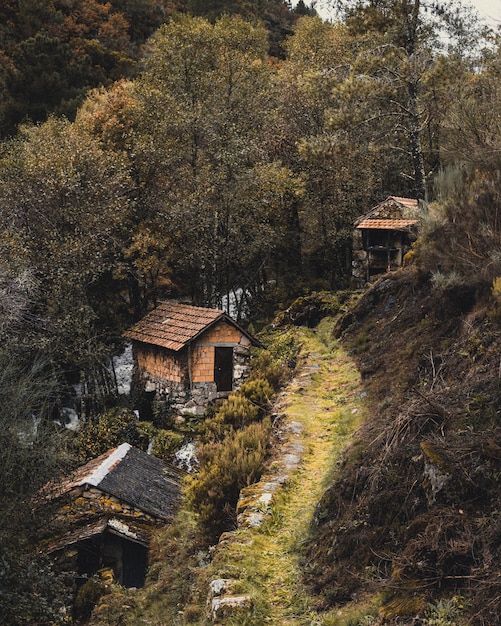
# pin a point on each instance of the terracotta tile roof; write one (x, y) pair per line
(410, 203)
(173, 326)
(394, 208)
(387, 224)
(140, 479)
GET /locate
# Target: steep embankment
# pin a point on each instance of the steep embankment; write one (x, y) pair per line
(414, 514)
(258, 565)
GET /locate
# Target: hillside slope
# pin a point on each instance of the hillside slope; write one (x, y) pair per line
(414, 515)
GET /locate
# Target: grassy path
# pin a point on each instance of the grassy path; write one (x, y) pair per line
(322, 406)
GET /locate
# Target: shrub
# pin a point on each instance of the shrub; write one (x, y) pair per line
(144, 433)
(108, 430)
(495, 310)
(442, 281)
(87, 597)
(269, 368)
(446, 612)
(235, 412)
(166, 444)
(308, 310)
(162, 413)
(238, 411)
(459, 241)
(258, 391)
(225, 468)
(31, 589)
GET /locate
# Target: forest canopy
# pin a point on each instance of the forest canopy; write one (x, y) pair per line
(215, 171)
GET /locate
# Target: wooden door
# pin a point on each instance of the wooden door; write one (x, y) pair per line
(223, 369)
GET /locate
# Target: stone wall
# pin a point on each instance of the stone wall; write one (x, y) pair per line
(87, 502)
(358, 260)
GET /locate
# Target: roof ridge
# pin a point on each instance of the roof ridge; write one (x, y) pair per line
(401, 198)
(190, 306)
(97, 476)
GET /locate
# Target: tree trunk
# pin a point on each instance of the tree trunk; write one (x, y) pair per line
(415, 137)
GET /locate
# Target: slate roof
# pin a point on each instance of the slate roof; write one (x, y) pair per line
(394, 213)
(135, 477)
(173, 326)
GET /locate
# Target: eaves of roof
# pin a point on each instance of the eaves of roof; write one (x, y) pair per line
(127, 530)
(375, 224)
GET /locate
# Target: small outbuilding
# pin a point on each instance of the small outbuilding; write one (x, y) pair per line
(189, 355)
(106, 510)
(383, 236)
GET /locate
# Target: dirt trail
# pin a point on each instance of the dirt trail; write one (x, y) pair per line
(318, 412)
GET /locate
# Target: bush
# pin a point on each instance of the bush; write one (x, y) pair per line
(459, 241)
(166, 444)
(273, 370)
(88, 596)
(235, 440)
(144, 434)
(238, 411)
(258, 391)
(111, 429)
(235, 412)
(31, 591)
(225, 468)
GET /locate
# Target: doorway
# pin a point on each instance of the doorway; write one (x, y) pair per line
(223, 369)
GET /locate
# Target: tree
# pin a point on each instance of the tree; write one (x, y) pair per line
(461, 242)
(391, 91)
(116, 118)
(66, 204)
(43, 76)
(53, 52)
(338, 174)
(33, 452)
(213, 88)
(276, 15)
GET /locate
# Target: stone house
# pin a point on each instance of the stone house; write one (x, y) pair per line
(189, 355)
(105, 512)
(383, 236)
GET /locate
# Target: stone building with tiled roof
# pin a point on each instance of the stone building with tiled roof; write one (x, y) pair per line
(105, 511)
(383, 236)
(188, 355)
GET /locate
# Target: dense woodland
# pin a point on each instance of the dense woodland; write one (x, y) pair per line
(166, 149)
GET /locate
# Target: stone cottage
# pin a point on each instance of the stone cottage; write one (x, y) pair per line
(383, 236)
(105, 512)
(189, 355)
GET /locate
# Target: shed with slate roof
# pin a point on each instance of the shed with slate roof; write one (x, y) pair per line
(189, 355)
(106, 510)
(383, 236)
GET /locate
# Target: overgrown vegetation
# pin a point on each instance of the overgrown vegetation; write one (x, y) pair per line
(34, 450)
(110, 429)
(264, 562)
(235, 439)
